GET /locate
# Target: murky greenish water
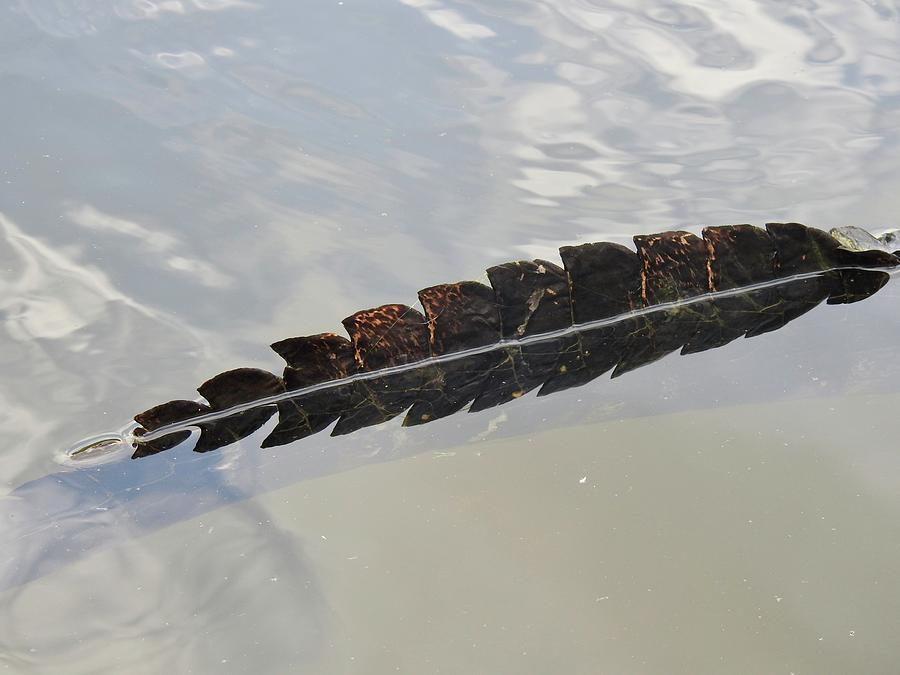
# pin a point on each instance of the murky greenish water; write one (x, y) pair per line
(183, 182)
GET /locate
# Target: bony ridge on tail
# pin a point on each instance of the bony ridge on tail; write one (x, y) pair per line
(538, 324)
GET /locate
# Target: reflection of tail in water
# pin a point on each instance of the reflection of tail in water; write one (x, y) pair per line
(540, 325)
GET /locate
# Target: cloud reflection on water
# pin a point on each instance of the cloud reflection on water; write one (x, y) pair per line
(62, 323)
(233, 172)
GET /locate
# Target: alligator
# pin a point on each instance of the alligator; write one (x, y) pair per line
(538, 324)
(485, 345)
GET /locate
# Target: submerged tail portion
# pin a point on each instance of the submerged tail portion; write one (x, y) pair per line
(538, 324)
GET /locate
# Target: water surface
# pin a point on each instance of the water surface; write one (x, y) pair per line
(184, 182)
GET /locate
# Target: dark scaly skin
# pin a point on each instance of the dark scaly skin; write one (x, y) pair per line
(390, 335)
(527, 298)
(460, 316)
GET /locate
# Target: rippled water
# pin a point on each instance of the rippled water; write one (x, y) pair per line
(183, 182)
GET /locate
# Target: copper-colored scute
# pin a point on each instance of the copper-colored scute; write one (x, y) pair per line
(537, 325)
(390, 335)
(673, 266)
(460, 316)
